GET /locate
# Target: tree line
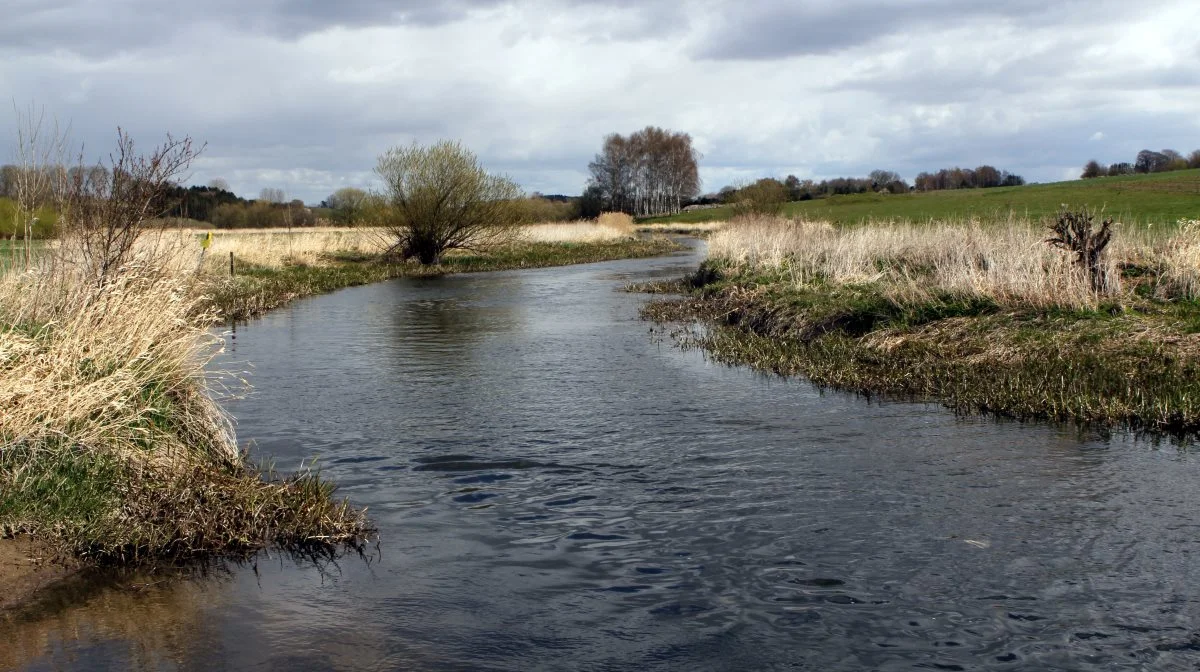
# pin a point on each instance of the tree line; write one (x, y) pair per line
(792, 188)
(1147, 161)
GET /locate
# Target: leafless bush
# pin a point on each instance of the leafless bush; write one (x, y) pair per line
(1074, 231)
(104, 212)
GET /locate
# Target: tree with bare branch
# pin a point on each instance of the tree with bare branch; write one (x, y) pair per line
(41, 146)
(104, 212)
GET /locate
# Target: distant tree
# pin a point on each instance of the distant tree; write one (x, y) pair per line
(763, 197)
(1091, 170)
(1149, 161)
(347, 205)
(440, 198)
(272, 195)
(1194, 159)
(1012, 180)
(591, 202)
(1120, 169)
(792, 183)
(218, 184)
(651, 172)
(880, 179)
(987, 177)
(1175, 160)
(8, 181)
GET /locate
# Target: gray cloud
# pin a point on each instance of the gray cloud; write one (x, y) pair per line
(773, 30)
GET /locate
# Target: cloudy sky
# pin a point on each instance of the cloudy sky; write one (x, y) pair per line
(304, 94)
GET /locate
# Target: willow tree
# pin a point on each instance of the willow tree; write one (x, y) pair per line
(440, 198)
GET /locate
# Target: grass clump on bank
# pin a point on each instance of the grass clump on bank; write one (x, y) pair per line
(982, 317)
(112, 448)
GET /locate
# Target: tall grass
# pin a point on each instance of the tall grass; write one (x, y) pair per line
(983, 317)
(112, 443)
(609, 226)
(1007, 262)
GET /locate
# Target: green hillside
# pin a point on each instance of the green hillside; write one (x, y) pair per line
(1162, 198)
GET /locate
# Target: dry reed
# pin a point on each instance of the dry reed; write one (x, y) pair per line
(610, 226)
(112, 444)
(1007, 262)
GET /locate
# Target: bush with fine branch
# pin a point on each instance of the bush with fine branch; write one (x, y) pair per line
(440, 198)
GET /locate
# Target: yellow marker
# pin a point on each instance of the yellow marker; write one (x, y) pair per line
(206, 241)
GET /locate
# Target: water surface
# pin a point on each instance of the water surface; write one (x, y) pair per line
(556, 488)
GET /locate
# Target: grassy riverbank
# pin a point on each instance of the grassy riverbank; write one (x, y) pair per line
(113, 449)
(1159, 198)
(985, 318)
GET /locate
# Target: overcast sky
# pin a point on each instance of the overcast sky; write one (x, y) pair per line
(304, 94)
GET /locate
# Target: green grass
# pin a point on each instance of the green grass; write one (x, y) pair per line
(1162, 198)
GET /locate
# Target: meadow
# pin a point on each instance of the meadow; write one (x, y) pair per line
(1159, 199)
(984, 317)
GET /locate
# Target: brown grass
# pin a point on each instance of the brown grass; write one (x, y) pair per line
(1008, 262)
(112, 444)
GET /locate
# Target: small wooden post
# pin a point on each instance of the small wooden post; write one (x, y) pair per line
(231, 272)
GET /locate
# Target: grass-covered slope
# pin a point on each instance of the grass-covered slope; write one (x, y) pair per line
(1161, 198)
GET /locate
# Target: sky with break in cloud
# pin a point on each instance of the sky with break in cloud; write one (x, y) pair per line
(303, 95)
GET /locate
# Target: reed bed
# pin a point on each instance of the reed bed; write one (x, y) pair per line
(1007, 262)
(608, 227)
(982, 316)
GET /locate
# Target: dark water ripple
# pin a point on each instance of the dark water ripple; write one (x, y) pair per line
(555, 490)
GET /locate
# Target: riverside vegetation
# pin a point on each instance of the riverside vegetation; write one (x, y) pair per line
(986, 316)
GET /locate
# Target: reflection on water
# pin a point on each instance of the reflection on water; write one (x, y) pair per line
(557, 490)
(151, 622)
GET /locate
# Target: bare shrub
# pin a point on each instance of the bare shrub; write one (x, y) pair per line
(104, 212)
(1074, 231)
(41, 146)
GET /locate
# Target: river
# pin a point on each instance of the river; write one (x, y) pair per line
(557, 487)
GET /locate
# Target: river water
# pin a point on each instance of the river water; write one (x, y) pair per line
(558, 488)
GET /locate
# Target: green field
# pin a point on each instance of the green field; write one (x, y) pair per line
(11, 250)
(1162, 198)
